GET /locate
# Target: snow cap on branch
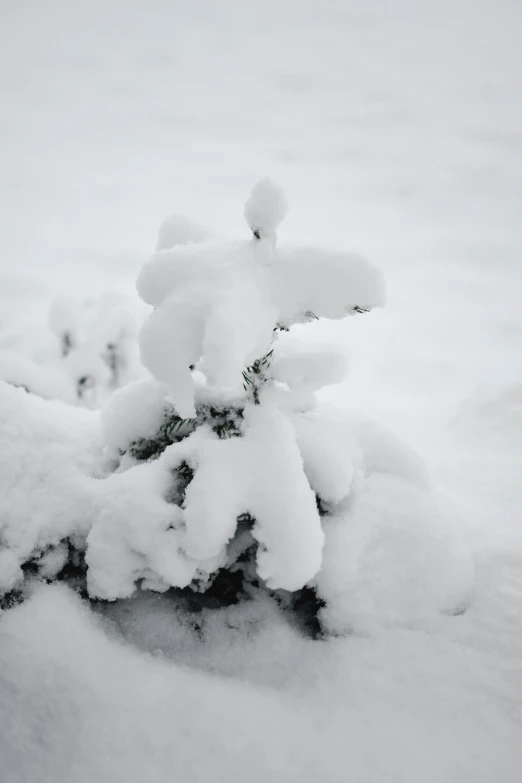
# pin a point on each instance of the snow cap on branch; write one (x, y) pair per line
(265, 208)
(218, 304)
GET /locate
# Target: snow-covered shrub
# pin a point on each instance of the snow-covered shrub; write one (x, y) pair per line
(223, 425)
(223, 478)
(50, 454)
(97, 342)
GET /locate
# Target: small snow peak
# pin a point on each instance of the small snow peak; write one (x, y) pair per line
(265, 208)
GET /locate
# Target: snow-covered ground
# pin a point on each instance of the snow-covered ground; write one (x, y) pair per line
(395, 129)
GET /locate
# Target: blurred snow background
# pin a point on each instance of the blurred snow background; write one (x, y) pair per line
(395, 129)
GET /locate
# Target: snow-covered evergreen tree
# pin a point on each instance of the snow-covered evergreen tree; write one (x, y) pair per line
(220, 476)
(231, 399)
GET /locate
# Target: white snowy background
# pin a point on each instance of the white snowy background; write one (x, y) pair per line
(395, 129)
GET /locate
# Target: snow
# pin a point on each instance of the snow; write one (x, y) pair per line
(98, 343)
(213, 306)
(330, 457)
(135, 535)
(265, 208)
(133, 412)
(287, 523)
(215, 497)
(262, 474)
(180, 230)
(108, 743)
(49, 451)
(77, 702)
(49, 382)
(396, 557)
(217, 304)
(168, 358)
(131, 532)
(10, 570)
(402, 144)
(64, 322)
(326, 283)
(308, 369)
(385, 453)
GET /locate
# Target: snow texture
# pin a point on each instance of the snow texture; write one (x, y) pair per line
(180, 230)
(97, 341)
(260, 473)
(405, 144)
(211, 305)
(219, 303)
(134, 412)
(308, 369)
(398, 556)
(135, 536)
(49, 451)
(326, 283)
(131, 532)
(47, 381)
(265, 208)
(214, 307)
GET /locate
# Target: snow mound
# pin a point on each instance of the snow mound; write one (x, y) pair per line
(73, 699)
(397, 556)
